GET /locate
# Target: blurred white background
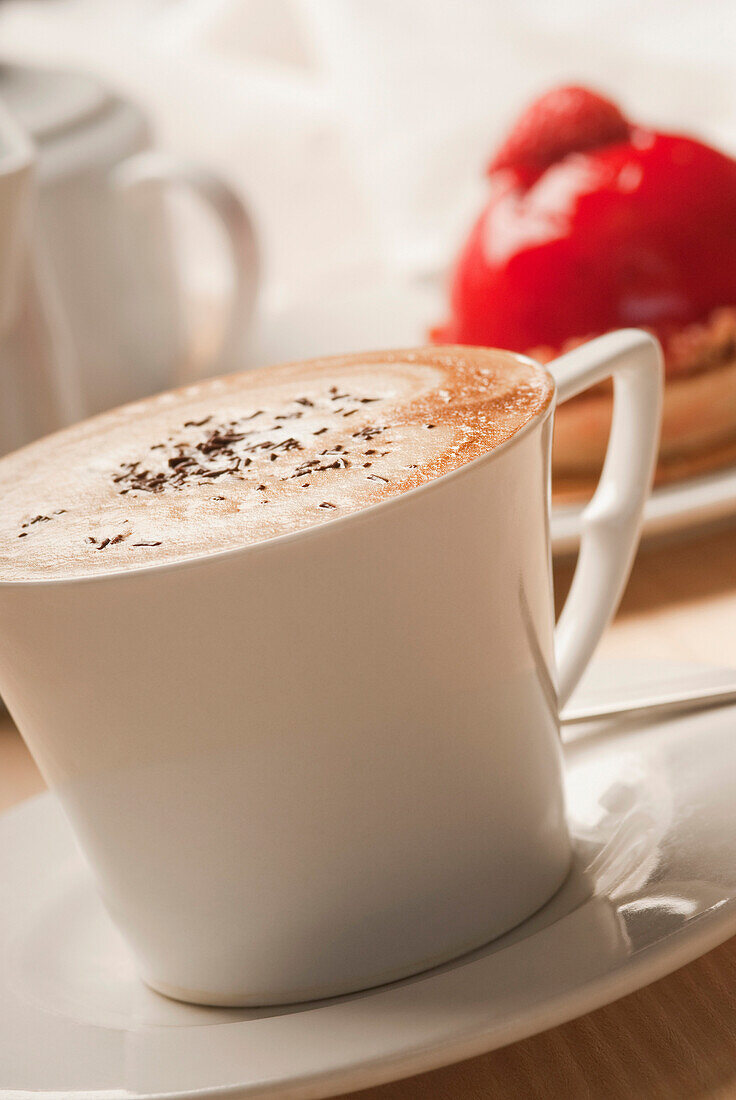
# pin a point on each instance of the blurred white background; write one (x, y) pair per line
(358, 129)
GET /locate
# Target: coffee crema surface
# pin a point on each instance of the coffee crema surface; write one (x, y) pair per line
(237, 460)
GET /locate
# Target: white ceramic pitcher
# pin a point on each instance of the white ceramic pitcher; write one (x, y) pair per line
(100, 215)
(39, 389)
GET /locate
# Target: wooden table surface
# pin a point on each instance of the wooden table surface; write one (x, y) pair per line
(676, 1038)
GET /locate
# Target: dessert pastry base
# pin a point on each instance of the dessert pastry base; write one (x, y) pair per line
(568, 487)
(698, 432)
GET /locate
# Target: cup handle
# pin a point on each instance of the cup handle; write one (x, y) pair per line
(611, 522)
(153, 166)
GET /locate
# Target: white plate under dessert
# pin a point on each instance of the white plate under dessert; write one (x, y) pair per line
(392, 314)
(654, 886)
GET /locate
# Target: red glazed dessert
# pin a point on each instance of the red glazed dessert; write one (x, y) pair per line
(593, 223)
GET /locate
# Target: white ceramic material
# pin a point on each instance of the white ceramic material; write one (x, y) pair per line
(653, 886)
(102, 222)
(38, 390)
(388, 313)
(331, 759)
(698, 502)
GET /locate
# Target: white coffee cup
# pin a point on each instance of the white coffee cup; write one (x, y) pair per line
(332, 759)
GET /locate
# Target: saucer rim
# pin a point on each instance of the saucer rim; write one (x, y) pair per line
(668, 953)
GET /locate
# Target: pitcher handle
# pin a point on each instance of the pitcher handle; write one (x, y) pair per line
(611, 522)
(222, 202)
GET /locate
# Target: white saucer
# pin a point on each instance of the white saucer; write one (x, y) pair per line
(386, 314)
(655, 886)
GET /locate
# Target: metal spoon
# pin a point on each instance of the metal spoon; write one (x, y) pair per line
(614, 690)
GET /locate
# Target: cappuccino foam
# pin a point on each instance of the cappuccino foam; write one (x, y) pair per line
(241, 459)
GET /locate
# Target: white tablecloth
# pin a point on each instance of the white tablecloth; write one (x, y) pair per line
(358, 129)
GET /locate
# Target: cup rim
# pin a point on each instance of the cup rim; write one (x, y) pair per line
(328, 525)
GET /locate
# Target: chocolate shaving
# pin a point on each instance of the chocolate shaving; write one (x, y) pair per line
(368, 433)
(225, 449)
